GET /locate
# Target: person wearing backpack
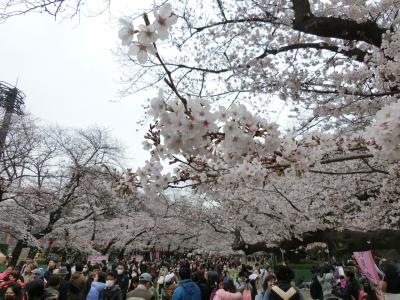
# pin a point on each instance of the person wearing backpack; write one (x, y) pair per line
(283, 290)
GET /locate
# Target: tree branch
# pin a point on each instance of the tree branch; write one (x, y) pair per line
(334, 27)
(221, 9)
(340, 241)
(354, 53)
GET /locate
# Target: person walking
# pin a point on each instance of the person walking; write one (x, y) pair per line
(187, 289)
(112, 291)
(51, 266)
(283, 288)
(142, 292)
(352, 288)
(390, 284)
(63, 287)
(51, 291)
(327, 282)
(228, 291)
(13, 292)
(122, 279)
(77, 283)
(35, 287)
(98, 284)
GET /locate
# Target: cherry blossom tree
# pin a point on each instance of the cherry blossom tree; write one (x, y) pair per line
(62, 189)
(330, 176)
(57, 186)
(228, 71)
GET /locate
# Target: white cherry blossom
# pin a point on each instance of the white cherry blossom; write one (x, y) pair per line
(127, 32)
(147, 34)
(164, 19)
(141, 51)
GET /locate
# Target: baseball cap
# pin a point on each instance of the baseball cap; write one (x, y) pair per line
(145, 277)
(38, 271)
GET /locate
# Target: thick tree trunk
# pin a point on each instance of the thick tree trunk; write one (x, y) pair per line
(108, 247)
(17, 252)
(121, 254)
(338, 241)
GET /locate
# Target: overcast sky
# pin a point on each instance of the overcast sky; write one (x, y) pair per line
(69, 74)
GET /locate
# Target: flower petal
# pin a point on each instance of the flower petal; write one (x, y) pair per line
(134, 49)
(165, 10)
(163, 33)
(142, 56)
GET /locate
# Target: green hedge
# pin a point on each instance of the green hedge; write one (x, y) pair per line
(301, 271)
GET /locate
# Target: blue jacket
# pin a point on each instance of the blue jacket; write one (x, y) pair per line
(187, 290)
(95, 290)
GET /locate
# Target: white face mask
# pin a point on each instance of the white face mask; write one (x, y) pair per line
(119, 272)
(110, 283)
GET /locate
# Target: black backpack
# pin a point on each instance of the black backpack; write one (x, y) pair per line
(316, 289)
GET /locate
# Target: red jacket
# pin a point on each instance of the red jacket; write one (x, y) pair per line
(7, 283)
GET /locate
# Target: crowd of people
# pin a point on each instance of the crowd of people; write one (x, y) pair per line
(210, 279)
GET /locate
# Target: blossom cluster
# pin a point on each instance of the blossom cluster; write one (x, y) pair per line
(232, 144)
(147, 34)
(232, 133)
(384, 133)
(150, 177)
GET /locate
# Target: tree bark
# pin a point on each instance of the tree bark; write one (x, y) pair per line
(334, 27)
(108, 247)
(17, 252)
(338, 241)
(32, 252)
(121, 253)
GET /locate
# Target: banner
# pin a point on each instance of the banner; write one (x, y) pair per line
(97, 258)
(366, 262)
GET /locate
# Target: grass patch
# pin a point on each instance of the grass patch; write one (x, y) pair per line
(301, 271)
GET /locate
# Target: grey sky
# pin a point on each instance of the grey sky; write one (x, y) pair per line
(69, 74)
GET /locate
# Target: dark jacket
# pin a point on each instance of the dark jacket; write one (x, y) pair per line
(77, 286)
(123, 283)
(113, 293)
(48, 273)
(204, 290)
(63, 290)
(50, 293)
(34, 289)
(351, 290)
(86, 290)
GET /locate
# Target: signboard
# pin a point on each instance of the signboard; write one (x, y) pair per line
(97, 258)
(366, 263)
